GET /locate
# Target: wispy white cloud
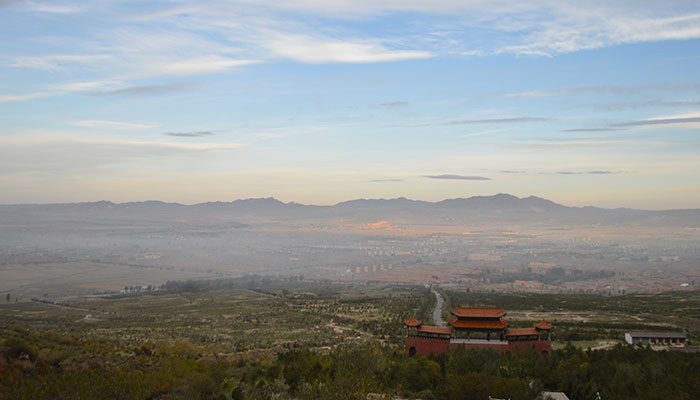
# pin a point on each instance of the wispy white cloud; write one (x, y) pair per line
(144, 90)
(58, 62)
(8, 98)
(316, 50)
(199, 65)
(56, 89)
(691, 120)
(102, 124)
(574, 27)
(82, 86)
(53, 8)
(541, 27)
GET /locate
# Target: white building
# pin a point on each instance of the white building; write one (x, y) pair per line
(660, 338)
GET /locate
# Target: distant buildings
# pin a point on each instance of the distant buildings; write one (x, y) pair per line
(657, 338)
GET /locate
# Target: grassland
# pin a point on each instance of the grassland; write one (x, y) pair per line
(232, 320)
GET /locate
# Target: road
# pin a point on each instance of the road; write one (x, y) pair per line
(437, 314)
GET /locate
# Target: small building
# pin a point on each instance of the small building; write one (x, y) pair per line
(656, 338)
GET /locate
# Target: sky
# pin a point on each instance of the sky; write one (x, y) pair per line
(321, 101)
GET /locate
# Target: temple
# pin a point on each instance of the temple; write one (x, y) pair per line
(473, 327)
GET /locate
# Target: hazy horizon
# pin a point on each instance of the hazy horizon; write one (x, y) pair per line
(331, 204)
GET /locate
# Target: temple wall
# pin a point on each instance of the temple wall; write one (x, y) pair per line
(425, 346)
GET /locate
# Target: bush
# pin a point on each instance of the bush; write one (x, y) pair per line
(17, 347)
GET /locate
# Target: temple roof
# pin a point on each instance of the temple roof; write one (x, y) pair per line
(412, 322)
(471, 324)
(522, 332)
(544, 325)
(435, 329)
(478, 312)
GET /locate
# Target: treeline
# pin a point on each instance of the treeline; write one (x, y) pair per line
(183, 371)
(552, 276)
(265, 284)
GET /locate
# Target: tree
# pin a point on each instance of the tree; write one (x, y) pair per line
(8, 297)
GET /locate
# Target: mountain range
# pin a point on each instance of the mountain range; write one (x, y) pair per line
(499, 208)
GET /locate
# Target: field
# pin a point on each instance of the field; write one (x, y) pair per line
(286, 338)
(234, 318)
(593, 317)
(58, 280)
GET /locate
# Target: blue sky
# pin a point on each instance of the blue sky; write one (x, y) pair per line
(584, 103)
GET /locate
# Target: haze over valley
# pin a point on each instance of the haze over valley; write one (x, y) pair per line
(498, 241)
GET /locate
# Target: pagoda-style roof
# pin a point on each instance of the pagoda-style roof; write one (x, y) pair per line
(412, 322)
(478, 324)
(543, 325)
(522, 332)
(435, 329)
(478, 312)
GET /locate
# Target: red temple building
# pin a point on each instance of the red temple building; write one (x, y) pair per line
(472, 327)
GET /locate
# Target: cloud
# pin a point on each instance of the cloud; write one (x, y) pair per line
(79, 157)
(386, 180)
(564, 145)
(575, 89)
(82, 86)
(590, 130)
(198, 65)
(54, 90)
(659, 121)
(59, 62)
(319, 49)
(637, 105)
(8, 98)
(596, 172)
(483, 133)
(617, 90)
(394, 104)
(53, 8)
(506, 171)
(102, 124)
(189, 134)
(458, 177)
(145, 90)
(573, 27)
(497, 121)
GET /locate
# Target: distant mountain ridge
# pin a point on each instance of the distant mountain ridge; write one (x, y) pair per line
(501, 207)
